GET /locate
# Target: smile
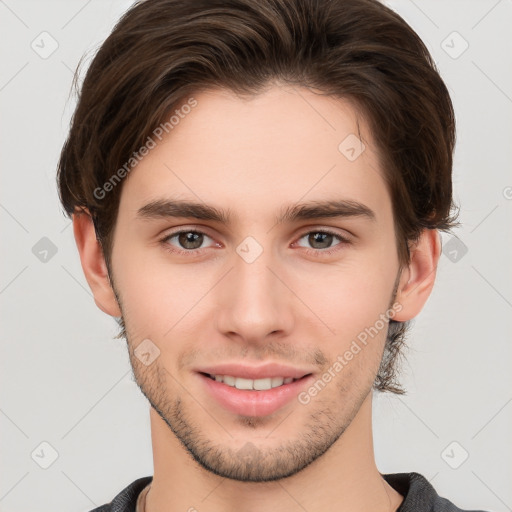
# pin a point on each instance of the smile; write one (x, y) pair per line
(252, 384)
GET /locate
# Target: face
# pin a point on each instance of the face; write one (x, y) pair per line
(273, 277)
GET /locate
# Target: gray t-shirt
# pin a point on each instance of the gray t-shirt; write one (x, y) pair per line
(418, 493)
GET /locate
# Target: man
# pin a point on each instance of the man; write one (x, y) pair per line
(257, 190)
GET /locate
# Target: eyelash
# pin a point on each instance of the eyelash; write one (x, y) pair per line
(315, 252)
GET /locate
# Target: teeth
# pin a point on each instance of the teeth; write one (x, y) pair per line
(277, 381)
(227, 379)
(241, 383)
(250, 384)
(263, 384)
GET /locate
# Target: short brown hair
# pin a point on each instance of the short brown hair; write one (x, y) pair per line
(162, 51)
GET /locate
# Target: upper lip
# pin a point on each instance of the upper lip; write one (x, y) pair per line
(255, 372)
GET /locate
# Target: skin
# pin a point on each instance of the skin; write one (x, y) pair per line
(254, 156)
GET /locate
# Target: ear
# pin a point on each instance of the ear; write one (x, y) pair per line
(93, 263)
(418, 277)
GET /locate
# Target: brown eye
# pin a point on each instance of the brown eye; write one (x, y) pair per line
(190, 239)
(320, 240)
(322, 243)
(185, 241)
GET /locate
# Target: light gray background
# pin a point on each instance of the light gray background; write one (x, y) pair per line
(66, 382)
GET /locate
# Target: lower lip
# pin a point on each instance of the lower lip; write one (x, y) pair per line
(254, 403)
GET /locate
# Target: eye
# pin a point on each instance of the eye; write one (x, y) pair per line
(322, 242)
(189, 242)
(185, 241)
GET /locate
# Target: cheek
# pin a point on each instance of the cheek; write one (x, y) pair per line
(348, 298)
(344, 299)
(158, 298)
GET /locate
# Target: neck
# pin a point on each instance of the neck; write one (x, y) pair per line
(345, 478)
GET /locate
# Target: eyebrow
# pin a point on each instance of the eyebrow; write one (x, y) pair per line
(165, 208)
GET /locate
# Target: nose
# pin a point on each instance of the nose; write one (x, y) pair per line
(254, 301)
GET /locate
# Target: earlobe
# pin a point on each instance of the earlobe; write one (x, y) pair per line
(417, 280)
(93, 263)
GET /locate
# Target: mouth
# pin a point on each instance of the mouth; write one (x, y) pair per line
(263, 384)
(253, 397)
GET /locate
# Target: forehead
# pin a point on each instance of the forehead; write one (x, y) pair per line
(255, 153)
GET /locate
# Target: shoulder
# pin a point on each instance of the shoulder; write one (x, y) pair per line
(126, 500)
(419, 494)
